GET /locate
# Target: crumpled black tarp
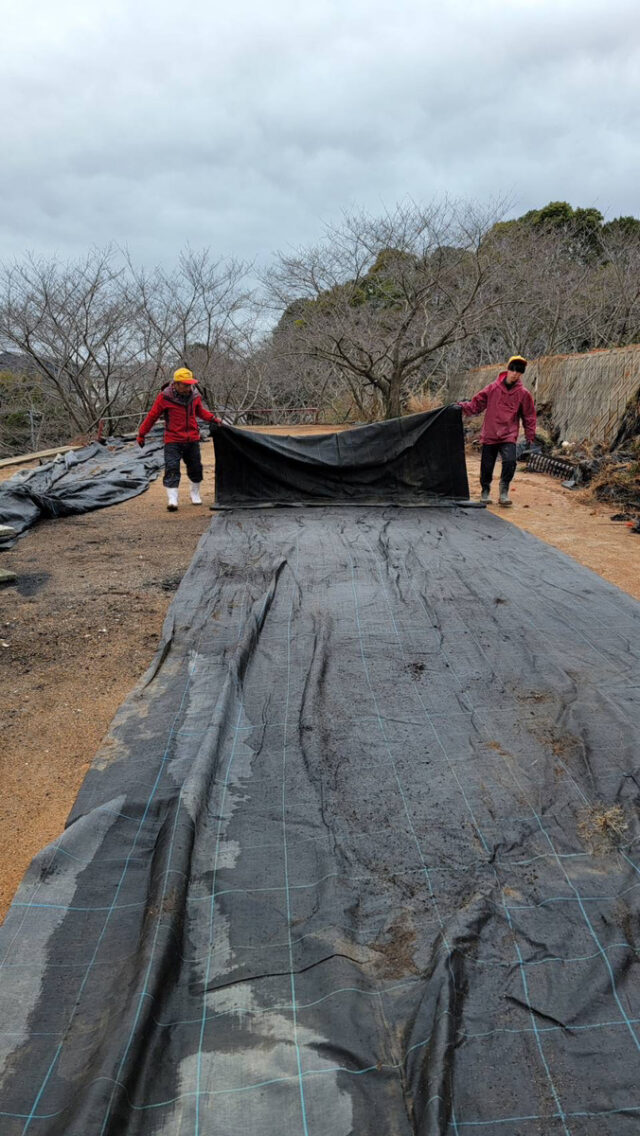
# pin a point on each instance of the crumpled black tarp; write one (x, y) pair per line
(90, 478)
(361, 856)
(413, 460)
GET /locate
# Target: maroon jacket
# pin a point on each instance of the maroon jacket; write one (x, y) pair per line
(180, 417)
(505, 408)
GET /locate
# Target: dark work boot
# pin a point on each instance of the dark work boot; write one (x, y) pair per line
(504, 498)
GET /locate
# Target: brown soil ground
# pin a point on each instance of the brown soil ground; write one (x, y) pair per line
(83, 622)
(572, 521)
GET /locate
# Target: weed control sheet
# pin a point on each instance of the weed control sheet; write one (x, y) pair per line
(360, 856)
(94, 477)
(418, 459)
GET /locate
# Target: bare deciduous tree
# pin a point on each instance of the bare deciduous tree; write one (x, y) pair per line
(201, 315)
(72, 322)
(103, 335)
(382, 296)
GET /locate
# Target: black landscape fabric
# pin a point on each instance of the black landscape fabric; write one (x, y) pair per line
(360, 856)
(93, 477)
(413, 460)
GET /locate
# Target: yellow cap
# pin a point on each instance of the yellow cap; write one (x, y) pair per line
(183, 375)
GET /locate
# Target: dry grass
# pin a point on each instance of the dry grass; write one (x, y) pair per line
(618, 481)
(601, 828)
(424, 401)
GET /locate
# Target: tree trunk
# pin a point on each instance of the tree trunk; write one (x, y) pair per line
(392, 400)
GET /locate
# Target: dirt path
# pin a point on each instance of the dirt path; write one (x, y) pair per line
(83, 623)
(571, 521)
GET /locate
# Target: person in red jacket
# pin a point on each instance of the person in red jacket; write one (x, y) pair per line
(181, 407)
(506, 403)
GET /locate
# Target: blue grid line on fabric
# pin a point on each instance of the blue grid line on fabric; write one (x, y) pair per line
(372, 763)
(237, 732)
(142, 820)
(580, 901)
(605, 898)
(144, 994)
(228, 891)
(424, 709)
(585, 799)
(120, 959)
(596, 940)
(442, 868)
(393, 765)
(355, 837)
(578, 897)
(523, 615)
(464, 762)
(205, 986)
(536, 1029)
(593, 618)
(261, 727)
(278, 1007)
(41, 1090)
(462, 1037)
(523, 977)
(616, 1023)
(470, 958)
(38, 885)
(285, 942)
(571, 627)
(610, 898)
(594, 646)
(592, 1114)
(583, 1115)
(357, 719)
(246, 1088)
(101, 860)
(292, 981)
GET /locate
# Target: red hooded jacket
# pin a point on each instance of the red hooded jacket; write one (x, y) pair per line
(505, 408)
(180, 417)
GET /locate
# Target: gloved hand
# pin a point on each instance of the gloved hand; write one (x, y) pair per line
(214, 422)
(140, 440)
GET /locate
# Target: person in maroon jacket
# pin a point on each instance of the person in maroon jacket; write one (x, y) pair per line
(181, 407)
(506, 403)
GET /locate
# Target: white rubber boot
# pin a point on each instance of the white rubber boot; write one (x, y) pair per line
(194, 491)
(172, 500)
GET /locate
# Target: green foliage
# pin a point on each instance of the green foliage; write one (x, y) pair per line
(622, 226)
(14, 387)
(582, 230)
(377, 291)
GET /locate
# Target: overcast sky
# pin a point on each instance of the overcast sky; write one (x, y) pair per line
(244, 124)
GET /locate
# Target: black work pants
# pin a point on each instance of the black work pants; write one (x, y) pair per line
(189, 453)
(507, 451)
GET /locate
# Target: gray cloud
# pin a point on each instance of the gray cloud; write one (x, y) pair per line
(245, 127)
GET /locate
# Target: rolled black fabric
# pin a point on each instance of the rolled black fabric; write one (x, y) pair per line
(413, 460)
(93, 477)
